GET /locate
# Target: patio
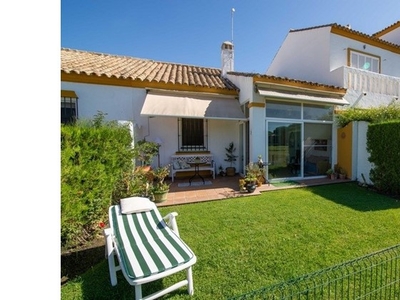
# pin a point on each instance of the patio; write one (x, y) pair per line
(223, 188)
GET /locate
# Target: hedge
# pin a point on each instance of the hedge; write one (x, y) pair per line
(95, 157)
(383, 144)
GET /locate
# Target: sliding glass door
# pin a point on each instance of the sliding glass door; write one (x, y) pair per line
(284, 149)
(317, 149)
(299, 139)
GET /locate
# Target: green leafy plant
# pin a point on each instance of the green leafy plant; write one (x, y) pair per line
(95, 157)
(145, 151)
(159, 174)
(253, 171)
(230, 154)
(372, 115)
(329, 172)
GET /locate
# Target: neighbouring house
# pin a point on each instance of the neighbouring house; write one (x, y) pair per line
(367, 66)
(186, 109)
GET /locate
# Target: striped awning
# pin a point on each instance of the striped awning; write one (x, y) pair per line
(145, 244)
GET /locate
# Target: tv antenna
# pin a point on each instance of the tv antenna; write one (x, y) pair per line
(232, 12)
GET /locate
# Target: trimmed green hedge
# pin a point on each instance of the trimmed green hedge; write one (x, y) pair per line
(371, 115)
(383, 144)
(95, 157)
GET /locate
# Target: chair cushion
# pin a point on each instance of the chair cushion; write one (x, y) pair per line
(135, 205)
(176, 165)
(184, 164)
(145, 244)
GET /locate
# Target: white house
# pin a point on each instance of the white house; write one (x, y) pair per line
(184, 108)
(286, 115)
(366, 65)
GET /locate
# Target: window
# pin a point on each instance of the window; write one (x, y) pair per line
(193, 135)
(318, 112)
(69, 107)
(364, 61)
(290, 110)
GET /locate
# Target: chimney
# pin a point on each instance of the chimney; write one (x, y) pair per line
(226, 58)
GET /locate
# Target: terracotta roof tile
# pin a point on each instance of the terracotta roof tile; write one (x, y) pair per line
(373, 37)
(389, 28)
(289, 81)
(100, 64)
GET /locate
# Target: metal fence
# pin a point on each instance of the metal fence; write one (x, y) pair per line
(375, 276)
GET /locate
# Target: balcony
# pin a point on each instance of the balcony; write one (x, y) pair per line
(366, 81)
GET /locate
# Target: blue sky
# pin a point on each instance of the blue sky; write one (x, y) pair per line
(191, 32)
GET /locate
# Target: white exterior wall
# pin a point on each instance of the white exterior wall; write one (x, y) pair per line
(119, 103)
(304, 55)
(125, 104)
(390, 62)
(317, 55)
(258, 134)
(361, 165)
(392, 36)
(245, 84)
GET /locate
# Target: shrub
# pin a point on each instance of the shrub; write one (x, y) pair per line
(95, 156)
(383, 142)
(372, 115)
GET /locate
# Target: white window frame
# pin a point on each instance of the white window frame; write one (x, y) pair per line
(364, 61)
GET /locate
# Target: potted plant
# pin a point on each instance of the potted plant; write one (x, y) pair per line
(159, 188)
(342, 173)
(331, 174)
(242, 185)
(144, 151)
(231, 158)
(260, 178)
(252, 173)
(221, 171)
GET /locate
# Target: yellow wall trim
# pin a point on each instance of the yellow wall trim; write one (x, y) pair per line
(68, 94)
(365, 39)
(255, 104)
(387, 30)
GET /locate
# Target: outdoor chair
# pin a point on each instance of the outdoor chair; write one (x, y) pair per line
(148, 247)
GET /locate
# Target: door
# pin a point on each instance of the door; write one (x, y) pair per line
(284, 150)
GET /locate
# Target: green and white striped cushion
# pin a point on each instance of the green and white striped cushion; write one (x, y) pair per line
(145, 244)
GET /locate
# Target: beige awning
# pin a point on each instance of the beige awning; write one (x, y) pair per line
(184, 106)
(302, 97)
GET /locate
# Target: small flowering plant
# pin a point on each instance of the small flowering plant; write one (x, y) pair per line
(260, 162)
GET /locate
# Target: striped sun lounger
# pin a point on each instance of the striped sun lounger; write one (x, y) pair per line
(148, 247)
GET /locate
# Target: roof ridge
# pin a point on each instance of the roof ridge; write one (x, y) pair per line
(144, 72)
(292, 80)
(394, 25)
(138, 58)
(347, 28)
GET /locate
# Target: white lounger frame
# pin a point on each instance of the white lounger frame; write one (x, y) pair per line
(170, 220)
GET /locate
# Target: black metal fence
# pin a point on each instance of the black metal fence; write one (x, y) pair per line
(375, 276)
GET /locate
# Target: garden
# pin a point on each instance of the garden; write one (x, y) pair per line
(243, 244)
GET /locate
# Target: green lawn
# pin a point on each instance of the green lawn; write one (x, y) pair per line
(243, 244)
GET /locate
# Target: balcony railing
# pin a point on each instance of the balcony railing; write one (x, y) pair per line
(366, 81)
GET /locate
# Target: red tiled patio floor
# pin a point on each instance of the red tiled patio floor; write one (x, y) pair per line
(224, 188)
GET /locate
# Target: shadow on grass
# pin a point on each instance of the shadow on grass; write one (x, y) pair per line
(356, 197)
(95, 284)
